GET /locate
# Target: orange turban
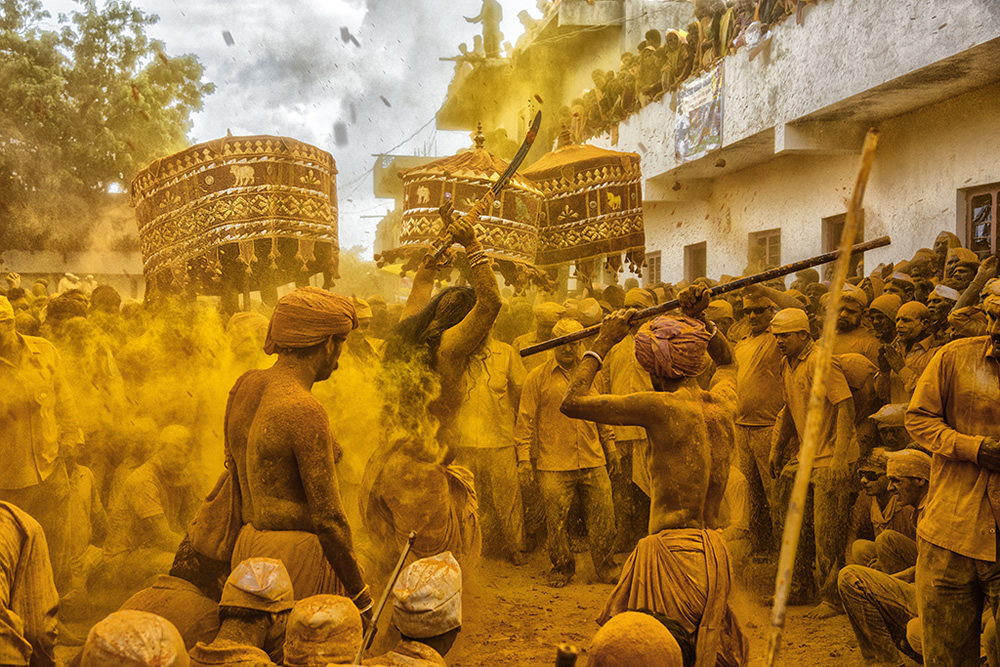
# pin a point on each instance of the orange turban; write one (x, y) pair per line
(307, 316)
(671, 346)
(968, 322)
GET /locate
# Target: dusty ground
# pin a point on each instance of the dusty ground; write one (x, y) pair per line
(513, 618)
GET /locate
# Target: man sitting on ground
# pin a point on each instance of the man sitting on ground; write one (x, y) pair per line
(427, 611)
(322, 630)
(254, 608)
(134, 639)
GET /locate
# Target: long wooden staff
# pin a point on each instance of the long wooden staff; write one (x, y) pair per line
(764, 276)
(817, 397)
(372, 627)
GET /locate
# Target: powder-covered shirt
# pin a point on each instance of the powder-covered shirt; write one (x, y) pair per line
(955, 405)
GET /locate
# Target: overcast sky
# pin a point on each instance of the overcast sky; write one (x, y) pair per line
(288, 72)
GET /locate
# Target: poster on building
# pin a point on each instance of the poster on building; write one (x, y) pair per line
(699, 116)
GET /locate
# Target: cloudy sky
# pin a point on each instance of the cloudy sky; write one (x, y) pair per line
(288, 72)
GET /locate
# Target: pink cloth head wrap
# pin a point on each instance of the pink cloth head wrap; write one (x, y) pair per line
(671, 346)
(307, 316)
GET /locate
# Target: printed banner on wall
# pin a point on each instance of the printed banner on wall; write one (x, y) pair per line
(699, 111)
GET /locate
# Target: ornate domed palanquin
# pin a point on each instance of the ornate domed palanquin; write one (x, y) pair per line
(508, 232)
(592, 207)
(243, 212)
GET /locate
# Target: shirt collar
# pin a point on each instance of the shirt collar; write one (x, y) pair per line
(806, 350)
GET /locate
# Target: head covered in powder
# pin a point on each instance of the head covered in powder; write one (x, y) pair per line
(634, 638)
(322, 629)
(671, 346)
(133, 638)
(259, 583)
(427, 597)
(308, 316)
(909, 463)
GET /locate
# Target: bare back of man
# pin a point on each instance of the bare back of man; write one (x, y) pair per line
(682, 568)
(284, 454)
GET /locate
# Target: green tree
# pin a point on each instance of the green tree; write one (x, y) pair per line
(82, 109)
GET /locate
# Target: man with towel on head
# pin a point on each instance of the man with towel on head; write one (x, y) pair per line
(682, 568)
(135, 639)
(831, 483)
(253, 612)
(427, 611)
(279, 438)
(322, 630)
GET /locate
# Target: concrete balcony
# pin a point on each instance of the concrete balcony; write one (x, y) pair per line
(817, 87)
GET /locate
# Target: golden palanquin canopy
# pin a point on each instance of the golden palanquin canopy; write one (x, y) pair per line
(508, 232)
(592, 207)
(268, 203)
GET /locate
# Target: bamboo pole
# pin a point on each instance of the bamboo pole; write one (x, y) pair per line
(739, 283)
(817, 396)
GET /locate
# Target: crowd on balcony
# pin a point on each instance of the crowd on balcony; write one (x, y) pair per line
(663, 61)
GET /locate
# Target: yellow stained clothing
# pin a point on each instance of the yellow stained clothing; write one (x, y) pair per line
(563, 443)
(622, 375)
(902, 384)
(28, 597)
(230, 655)
(759, 396)
(797, 377)
(955, 405)
(894, 517)
(147, 494)
(408, 654)
(535, 360)
(488, 412)
(858, 341)
(37, 413)
(182, 603)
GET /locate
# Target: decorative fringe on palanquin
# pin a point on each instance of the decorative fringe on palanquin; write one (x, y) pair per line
(592, 207)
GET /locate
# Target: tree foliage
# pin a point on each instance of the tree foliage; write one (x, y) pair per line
(83, 107)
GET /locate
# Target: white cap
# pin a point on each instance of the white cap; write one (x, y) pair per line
(427, 598)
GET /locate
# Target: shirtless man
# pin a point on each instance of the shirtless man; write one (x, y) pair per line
(691, 438)
(410, 482)
(284, 453)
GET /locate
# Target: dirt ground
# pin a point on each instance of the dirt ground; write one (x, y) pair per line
(512, 618)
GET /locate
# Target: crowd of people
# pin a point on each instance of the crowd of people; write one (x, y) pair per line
(235, 493)
(664, 60)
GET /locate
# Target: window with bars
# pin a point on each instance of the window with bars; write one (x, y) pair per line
(980, 216)
(695, 261)
(764, 248)
(651, 274)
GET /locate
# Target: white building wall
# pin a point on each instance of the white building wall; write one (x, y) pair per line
(924, 159)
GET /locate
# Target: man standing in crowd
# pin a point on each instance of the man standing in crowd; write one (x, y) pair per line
(955, 414)
(902, 362)
(851, 336)
(284, 452)
(546, 316)
(38, 437)
(623, 375)
(493, 380)
(831, 482)
(682, 568)
(574, 456)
